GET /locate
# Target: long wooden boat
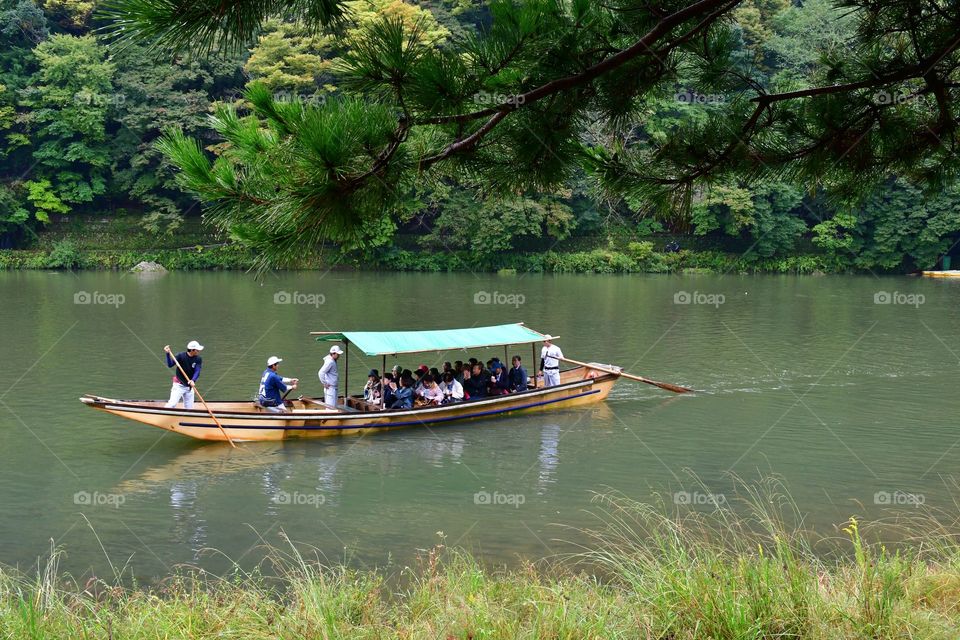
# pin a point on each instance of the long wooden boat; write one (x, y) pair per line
(244, 421)
(953, 273)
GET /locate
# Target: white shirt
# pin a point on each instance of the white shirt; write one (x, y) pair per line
(551, 356)
(328, 372)
(431, 393)
(453, 388)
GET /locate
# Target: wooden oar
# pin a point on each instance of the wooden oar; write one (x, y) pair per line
(205, 406)
(663, 385)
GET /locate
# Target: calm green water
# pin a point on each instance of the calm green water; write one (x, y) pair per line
(849, 401)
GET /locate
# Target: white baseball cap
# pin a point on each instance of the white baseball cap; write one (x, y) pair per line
(547, 338)
(272, 360)
(336, 349)
(193, 344)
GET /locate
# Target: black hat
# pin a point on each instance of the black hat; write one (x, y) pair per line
(373, 372)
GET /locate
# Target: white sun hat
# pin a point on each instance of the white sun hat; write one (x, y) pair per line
(272, 360)
(336, 349)
(193, 344)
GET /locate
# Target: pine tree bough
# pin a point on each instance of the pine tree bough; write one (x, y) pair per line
(547, 88)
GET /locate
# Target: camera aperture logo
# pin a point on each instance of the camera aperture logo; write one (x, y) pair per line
(697, 498)
(98, 297)
(299, 297)
(499, 298)
(497, 498)
(895, 297)
(300, 499)
(698, 297)
(898, 498)
(97, 499)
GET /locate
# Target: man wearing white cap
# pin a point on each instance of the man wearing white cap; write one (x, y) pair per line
(550, 357)
(190, 362)
(272, 385)
(329, 376)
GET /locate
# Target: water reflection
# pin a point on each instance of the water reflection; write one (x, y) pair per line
(548, 456)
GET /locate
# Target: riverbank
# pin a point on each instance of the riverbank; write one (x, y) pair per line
(695, 576)
(119, 245)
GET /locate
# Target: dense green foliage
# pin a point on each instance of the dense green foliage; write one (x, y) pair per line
(290, 134)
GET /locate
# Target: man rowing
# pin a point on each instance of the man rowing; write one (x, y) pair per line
(550, 357)
(329, 377)
(190, 361)
(272, 386)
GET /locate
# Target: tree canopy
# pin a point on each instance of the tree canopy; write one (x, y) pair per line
(510, 107)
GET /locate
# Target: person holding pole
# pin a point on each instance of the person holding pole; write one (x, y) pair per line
(272, 384)
(550, 357)
(186, 374)
(329, 377)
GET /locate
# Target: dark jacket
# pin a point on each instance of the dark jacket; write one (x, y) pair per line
(518, 379)
(476, 386)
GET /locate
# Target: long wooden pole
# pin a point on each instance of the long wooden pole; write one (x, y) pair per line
(205, 406)
(663, 385)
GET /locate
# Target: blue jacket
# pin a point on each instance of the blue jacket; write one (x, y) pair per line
(271, 388)
(403, 398)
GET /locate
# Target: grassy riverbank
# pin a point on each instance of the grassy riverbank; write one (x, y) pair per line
(119, 244)
(681, 577)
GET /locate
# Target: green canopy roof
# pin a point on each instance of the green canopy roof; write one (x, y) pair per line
(383, 343)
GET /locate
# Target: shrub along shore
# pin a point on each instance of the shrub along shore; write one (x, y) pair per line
(119, 244)
(645, 575)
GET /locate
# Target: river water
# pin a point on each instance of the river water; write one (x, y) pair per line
(846, 387)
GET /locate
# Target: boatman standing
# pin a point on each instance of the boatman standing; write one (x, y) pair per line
(190, 361)
(329, 376)
(272, 386)
(550, 357)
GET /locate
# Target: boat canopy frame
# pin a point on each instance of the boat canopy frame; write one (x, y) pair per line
(391, 343)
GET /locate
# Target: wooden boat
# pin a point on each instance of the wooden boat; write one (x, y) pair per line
(942, 274)
(244, 421)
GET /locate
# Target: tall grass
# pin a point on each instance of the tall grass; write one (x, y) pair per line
(748, 570)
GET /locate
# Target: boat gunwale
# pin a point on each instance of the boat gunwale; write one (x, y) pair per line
(112, 404)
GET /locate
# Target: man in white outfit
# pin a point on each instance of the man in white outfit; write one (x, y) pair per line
(550, 357)
(329, 376)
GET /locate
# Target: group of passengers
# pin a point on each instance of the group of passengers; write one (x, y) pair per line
(397, 389)
(402, 388)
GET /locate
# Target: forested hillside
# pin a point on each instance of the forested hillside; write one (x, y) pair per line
(80, 117)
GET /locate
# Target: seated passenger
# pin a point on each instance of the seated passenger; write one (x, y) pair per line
(403, 396)
(421, 371)
(389, 386)
(458, 370)
(476, 384)
(499, 381)
(451, 388)
(430, 393)
(371, 390)
(517, 376)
